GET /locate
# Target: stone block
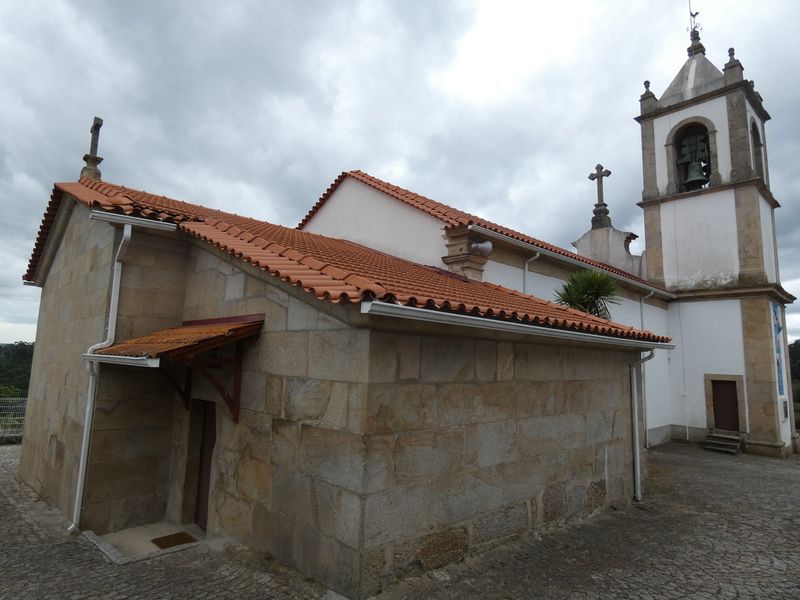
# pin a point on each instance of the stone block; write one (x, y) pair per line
(254, 479)
(603, 426)
(339, 355)
(272, 532)
(301, 316)
(143, 442)
(106, 446)
(336, 412)
(273, 396)
(253, 390)
(408, 358)
(383, 357)
(284, 353)
(485, 360)
(542, 435)
(399, 407)
(306, 398)
(373, 572)
(285, 442)
(537, 363)
(357, 408)
(428, 454)
(583, 363)
(337, 513)
(347, 460)
(447, 359)
(292, 494)
(394, 514)
(501, 524)
(488, 444)
(328, 561)
(505, 361)
(532, 398)
(233, 515)
(253, 287)
(327, 322)
(554, 501)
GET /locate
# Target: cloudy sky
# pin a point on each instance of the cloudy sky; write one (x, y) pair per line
(498, 108)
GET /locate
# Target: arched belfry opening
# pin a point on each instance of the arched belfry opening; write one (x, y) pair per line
(758, 150)
(693, 164)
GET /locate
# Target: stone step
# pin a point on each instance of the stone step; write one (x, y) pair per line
(723, 443)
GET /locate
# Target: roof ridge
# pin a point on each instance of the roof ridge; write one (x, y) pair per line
(455, 217)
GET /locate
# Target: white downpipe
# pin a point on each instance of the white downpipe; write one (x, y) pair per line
(525, 271)
(644, 373)
(637, 468)
(91, 366)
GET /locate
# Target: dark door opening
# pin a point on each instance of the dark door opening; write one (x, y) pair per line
(209, 437)
(726, 405)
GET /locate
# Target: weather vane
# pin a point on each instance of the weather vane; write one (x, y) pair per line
(693, 24)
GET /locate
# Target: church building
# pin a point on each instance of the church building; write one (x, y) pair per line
(389, 386)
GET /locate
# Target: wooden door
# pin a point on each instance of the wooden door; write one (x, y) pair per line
(726, 405)
(206, 451)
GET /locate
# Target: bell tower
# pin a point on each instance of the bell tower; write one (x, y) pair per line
(710, 239)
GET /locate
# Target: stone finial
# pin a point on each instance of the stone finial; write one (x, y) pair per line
(600, 218)
(696, 47)
(92, 160)
(647, 101)
(733, 69)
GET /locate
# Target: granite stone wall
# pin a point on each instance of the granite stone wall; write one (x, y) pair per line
(72, 317)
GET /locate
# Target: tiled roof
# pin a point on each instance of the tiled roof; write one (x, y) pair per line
(452, 217)
(341, 271)
(179, 341)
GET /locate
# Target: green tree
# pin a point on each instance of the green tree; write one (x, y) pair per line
(9, 391)
(15, 365)
(590, 292)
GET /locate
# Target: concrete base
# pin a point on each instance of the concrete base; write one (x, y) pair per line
(135, 543)
(659, 435)
(681, 433)
(768, 449)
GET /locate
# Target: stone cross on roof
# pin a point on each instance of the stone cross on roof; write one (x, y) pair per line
(600, 218)
(92, 160)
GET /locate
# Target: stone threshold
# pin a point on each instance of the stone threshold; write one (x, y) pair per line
(135, 545)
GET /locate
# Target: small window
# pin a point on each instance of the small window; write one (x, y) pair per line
(758, 153)
(693, 167)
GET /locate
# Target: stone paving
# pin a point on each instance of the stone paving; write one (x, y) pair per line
(712, 526)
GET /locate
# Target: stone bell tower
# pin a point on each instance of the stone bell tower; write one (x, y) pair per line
(710, 239)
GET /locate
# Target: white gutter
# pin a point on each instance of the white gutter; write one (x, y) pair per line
(525, 271)
(91, 391)
(435, 316)
(129, 361)
(637, 468)
(573, 261)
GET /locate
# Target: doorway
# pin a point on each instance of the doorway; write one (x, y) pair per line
(208, 439)
(726, 405)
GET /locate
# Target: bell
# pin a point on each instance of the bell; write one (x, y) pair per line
(695, 177)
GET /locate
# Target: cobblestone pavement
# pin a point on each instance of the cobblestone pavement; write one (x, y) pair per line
(712, 526)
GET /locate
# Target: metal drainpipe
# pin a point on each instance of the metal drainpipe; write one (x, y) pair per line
(91, 366)
(525, 271)
(637, 469)
(644, 379)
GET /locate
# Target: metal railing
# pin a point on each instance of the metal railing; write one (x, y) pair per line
(12, 419)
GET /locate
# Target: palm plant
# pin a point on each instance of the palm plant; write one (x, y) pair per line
(590, 292)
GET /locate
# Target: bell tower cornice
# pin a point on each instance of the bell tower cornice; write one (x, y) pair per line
(747, 86)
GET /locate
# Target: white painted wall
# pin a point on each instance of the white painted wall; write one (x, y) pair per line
(714, 110)
(699, 240)
(708, 336)
(360, 213)
(657, 376)
(768, 240)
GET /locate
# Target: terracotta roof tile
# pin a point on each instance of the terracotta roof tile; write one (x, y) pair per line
(336, 270)
(452, 217)
(183, 340)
